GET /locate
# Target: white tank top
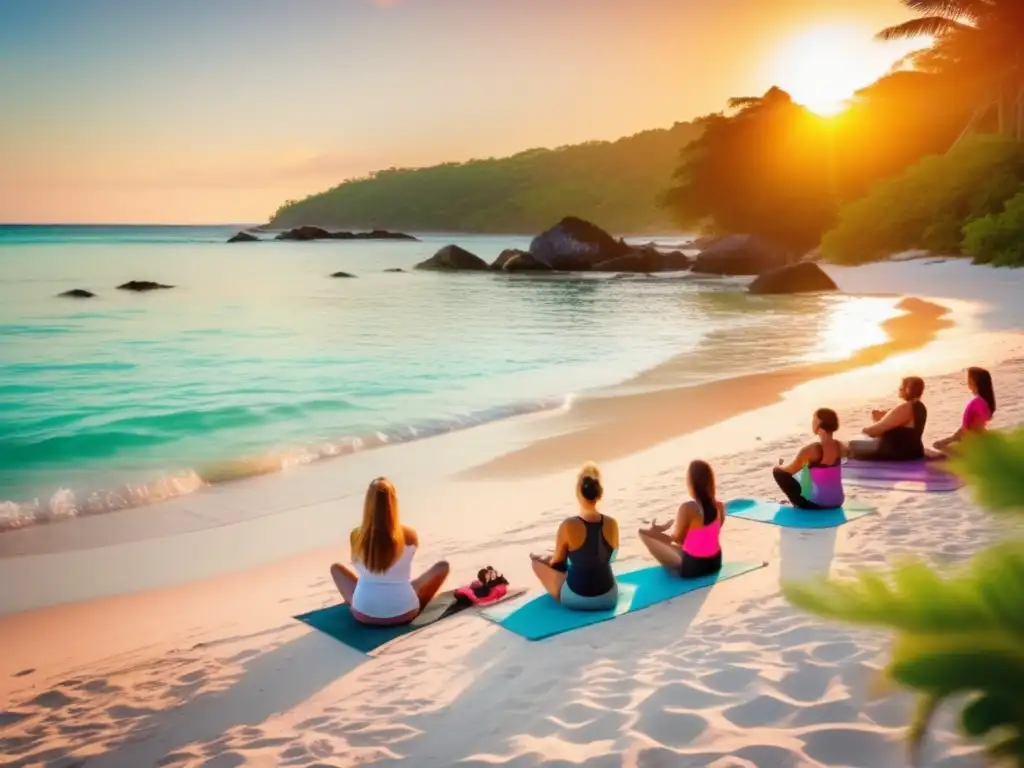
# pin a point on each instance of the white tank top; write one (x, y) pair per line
(389, 594)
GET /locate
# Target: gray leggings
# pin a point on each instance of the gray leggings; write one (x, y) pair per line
(575, 602)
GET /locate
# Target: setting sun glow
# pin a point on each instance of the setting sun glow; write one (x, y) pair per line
(823, 67)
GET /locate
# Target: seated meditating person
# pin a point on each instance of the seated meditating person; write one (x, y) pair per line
(820, 465)
(979, 411)
(579, 573)
(693, 548)
(381, 590)
(896, 435)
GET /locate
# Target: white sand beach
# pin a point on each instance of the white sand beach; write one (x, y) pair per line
(165, 636)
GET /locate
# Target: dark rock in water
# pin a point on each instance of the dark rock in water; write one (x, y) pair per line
(574, 245)
(453, 258)
(524, 262)
(244, 237)
(376, 234)
(77, 293)
(304, 233)
(394, 269)
(342, 274)
(505, 256)
(319, 233)
(804, 277)
(740, 255)
(646, 260)
(142, 286)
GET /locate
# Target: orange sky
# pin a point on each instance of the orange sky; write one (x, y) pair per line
(219, 110)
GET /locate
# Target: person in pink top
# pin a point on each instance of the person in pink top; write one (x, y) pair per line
(979, 411)
(693, 548)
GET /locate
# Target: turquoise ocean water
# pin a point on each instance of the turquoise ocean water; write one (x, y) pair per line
(257, 360)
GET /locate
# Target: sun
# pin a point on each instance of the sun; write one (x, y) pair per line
(822, 67)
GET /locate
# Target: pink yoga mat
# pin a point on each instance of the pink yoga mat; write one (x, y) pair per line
(912, 476)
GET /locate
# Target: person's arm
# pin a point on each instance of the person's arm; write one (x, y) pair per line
(682, 522)
(802, 459)
(844, 450)
(897, 417)
(561, 547)
(611, 534)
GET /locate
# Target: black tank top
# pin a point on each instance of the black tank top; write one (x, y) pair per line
(590, 570)
(905, 443)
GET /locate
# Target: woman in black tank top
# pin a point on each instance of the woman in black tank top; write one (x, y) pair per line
(579, 573)
(896, 435)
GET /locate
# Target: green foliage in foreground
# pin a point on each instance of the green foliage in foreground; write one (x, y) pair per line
(614, 184)
(958, 635)
(998, 238)
(929, 204)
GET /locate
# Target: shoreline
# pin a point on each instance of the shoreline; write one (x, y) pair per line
(606, 428)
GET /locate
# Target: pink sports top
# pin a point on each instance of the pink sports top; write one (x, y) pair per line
(703, 542)
(976, 415)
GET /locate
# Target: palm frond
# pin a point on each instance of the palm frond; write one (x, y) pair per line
(926, 26)
(957, 10)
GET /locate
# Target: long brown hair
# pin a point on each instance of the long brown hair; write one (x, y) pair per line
(701, 479)
(380, 540)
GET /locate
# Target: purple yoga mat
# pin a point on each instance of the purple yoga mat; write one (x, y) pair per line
(910, 476)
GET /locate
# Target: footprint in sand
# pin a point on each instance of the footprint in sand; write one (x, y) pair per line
(52, 700)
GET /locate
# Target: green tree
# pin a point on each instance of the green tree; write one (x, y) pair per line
(959, 634)
(764, 170)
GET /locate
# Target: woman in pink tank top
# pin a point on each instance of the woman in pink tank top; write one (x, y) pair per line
(979, 411)
(693, 548)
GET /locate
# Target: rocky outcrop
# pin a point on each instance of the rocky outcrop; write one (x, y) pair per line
(376, 234)
(342, 274)
(505, 256)
(243, 237)
(804, 277)
(318, 233)
(740, 255)
(77, 293)
(304, 233)
(452, 258)
(141, 286)
(395, 269)
(524, 262)
(645, 260)
(574, 245)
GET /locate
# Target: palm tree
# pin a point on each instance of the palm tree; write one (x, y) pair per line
(977, 43)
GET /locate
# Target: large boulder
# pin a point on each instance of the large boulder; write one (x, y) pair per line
(304, 233)
(244, 237)
(740, 255)
(525, 262)
(452, 258)
(141, 286)
(505, 256)
(646, 260)
(574, 244)
(803, 277)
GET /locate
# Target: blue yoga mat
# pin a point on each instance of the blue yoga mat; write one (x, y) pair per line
(337, 622)
(543, 617)
(786, 516)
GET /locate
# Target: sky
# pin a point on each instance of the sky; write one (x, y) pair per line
(217, 111)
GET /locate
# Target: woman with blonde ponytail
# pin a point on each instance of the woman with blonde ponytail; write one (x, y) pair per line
(579, 573)
(381, 589)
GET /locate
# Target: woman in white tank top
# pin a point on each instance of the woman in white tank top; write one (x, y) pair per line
(380, 589)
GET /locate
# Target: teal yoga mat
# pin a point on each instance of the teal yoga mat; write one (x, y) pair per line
(543, 617)
(786, 516)
(337, 622)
